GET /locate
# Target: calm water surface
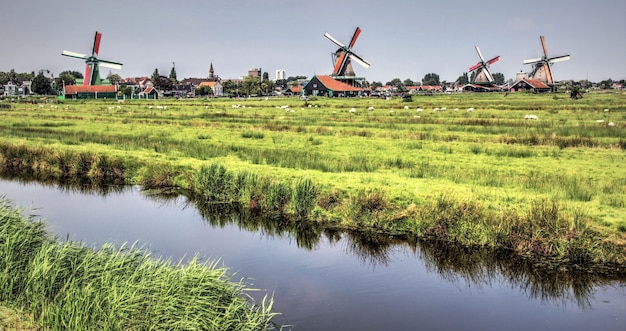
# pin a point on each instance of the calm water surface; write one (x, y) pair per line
(334, 282)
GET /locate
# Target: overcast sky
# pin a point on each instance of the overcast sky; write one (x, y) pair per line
(400, 38)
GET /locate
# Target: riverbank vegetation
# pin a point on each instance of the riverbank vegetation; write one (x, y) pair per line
(50, 285)
(461, 169)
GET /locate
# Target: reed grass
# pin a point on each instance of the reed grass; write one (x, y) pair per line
(491, 153)
(68, 286)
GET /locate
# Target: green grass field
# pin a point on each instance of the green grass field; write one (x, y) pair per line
(362, 164)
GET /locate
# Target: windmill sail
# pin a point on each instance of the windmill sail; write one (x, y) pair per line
(343, 57)
(92, 74)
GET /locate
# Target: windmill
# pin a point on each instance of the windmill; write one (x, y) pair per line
(541, 66)
(92, 74)
(344, 56)
(480, 71)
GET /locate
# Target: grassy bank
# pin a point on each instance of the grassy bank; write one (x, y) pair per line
(551, 188)
(46, 284)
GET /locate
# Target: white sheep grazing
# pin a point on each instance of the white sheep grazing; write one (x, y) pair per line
(443, 108)
(352, 110)
(406, 107)
(611, 124)
(419, 110)
(469, 110)
(370, 108)
(531, 117)
(436, 110)
(149, 107)
(456, 110)
(606, 109)
(599, 121)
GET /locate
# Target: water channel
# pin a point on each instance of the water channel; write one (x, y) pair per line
(335, 281)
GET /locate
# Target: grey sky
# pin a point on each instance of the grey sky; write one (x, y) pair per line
(401, 39)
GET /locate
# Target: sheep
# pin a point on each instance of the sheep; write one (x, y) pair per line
(436, 110)
(443, 108)
(531, 117)
(370, 108)
(611, 124)
(419, 110)
(471, 109)
(599, 121)
(352, 110)
(406, 107)
(606, 109)
(456, 110)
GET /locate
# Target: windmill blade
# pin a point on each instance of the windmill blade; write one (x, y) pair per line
(96, 43)
(543, 44)
(74, 54)
(341, 62)
(559, 59)
(546, 68)
(480, 55)
(111, 65)
(494, 60)
(359, 60)
(532, 60)
(476, 66)
(88, 72)
(356, 34)
(489, 76)
(327, 35)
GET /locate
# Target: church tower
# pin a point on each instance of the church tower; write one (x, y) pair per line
(211, 73)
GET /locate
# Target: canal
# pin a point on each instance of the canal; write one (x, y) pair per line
(335, 281)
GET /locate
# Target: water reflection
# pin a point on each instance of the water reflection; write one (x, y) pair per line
(479, 267)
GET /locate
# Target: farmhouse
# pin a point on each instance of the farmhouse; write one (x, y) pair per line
(215, 86)
(90, 91)
(323, 85)
(528, 84)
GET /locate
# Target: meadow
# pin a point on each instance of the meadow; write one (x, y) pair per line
(464, 169)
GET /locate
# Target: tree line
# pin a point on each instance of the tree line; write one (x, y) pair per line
(44, 82)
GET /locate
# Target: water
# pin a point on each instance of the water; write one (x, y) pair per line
(333, 281)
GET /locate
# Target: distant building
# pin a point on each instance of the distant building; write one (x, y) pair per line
(254, 72)
(323, 85)
(527, 84)
(90, 92)
(216, 87)
(280, 74)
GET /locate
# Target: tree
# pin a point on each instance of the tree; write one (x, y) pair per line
(40, 85)
(463, 79)
(75, 74)
(204, 90)
(125, 90)
(173, 75)
(114, 78)
(498, 78)
(408, 82)
(4, 78)
(65, 78)
(163, 83)
(431, 79)
(251, 85)
(376, 85)
(155, 76)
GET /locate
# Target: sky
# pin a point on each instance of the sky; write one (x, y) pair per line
(400, 38)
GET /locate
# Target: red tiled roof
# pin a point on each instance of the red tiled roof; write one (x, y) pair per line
(74, 89)
(336, 85)
(210, 84)
(536, 83)
(148, 90)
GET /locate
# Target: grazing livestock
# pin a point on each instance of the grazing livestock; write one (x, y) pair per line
(531, 117)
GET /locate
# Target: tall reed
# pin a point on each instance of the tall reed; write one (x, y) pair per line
(67, 286)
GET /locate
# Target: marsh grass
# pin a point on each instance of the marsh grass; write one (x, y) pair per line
(65, 285)
(492, 152)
